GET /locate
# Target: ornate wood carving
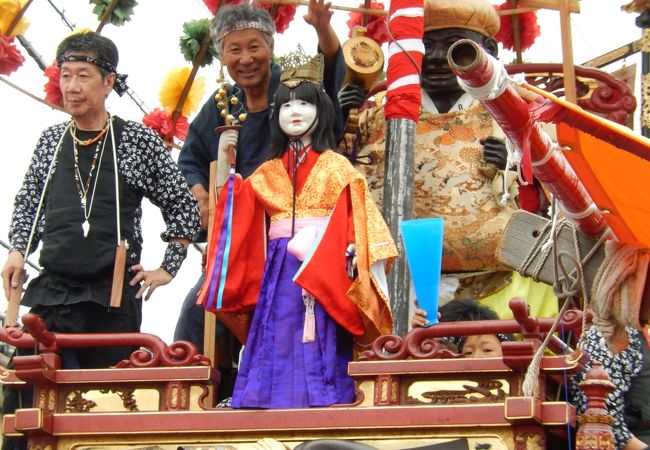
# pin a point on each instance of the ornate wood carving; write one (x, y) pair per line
(482, 392)
(427, 343)
(386, 390)
(598, 91)
(177, 397)
(529, 438)
(76, 403)
(126, 395)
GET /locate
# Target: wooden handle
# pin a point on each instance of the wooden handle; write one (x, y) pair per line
(11, 319)
(373, 12)
(118, 275)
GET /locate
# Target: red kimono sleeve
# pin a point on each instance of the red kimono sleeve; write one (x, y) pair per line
(324, 275)
(236, 251)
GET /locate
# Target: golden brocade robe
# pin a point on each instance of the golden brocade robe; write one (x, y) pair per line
(448, 182)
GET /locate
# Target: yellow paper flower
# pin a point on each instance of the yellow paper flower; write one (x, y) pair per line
(8, 11)
(80, 31)
(172, 87)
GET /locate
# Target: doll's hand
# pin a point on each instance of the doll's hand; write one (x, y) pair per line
(351, 260)
(227, 139)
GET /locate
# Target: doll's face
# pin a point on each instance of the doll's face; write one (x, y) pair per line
(298, 118)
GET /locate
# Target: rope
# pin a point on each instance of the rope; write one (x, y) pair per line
(618, 286)
(565, 286)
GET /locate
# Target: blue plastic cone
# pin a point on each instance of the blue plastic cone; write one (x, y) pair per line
(423, 243)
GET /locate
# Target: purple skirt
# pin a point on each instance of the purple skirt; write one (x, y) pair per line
(277, 369)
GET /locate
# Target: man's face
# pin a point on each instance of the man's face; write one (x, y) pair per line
(437, 77)
(84, 89)
(247, 55)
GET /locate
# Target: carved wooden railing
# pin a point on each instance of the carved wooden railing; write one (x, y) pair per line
(410, 392)
(598, 91)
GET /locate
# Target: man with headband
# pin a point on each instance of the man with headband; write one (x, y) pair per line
(81, 199)
(243, 36)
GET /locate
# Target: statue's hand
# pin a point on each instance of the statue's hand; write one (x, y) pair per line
(495, 152)
(351, 96)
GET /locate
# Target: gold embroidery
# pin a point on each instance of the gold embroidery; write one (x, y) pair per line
(448, 182)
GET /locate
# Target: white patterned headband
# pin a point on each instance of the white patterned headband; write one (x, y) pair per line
(244, 25)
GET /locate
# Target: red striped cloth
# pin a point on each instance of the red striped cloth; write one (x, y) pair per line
(405, 22)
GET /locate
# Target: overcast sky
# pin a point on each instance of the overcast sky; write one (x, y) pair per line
(148, 46)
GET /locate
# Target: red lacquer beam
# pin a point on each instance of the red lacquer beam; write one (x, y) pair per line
(476, 71)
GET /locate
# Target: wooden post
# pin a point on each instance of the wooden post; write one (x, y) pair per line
(398, 206)
(643, 21)
(210, 324)
(567, 53)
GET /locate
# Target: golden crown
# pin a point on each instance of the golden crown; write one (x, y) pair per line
(298, 67)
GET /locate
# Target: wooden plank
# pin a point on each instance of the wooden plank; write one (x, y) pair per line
(614, 55)
(573, 5)
(520, 236)
(570, 93)
(210, 324)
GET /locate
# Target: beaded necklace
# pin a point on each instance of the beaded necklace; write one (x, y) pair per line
(84, 188)
(87, 142)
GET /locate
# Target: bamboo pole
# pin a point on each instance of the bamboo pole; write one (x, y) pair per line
(567, 53)
(516, 32)
(106, 15)
(14, 23)
(38, 99)
(190, 80)
(381, 12)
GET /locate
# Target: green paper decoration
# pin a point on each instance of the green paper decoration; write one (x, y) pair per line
(190, 41)
(120, 14)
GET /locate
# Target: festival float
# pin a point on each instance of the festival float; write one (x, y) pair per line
(412, 391)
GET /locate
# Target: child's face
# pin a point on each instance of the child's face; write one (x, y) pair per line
(482, 346)
(297, 118)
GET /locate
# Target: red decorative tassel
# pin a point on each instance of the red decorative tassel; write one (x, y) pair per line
(528, 29)
(376, 26)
